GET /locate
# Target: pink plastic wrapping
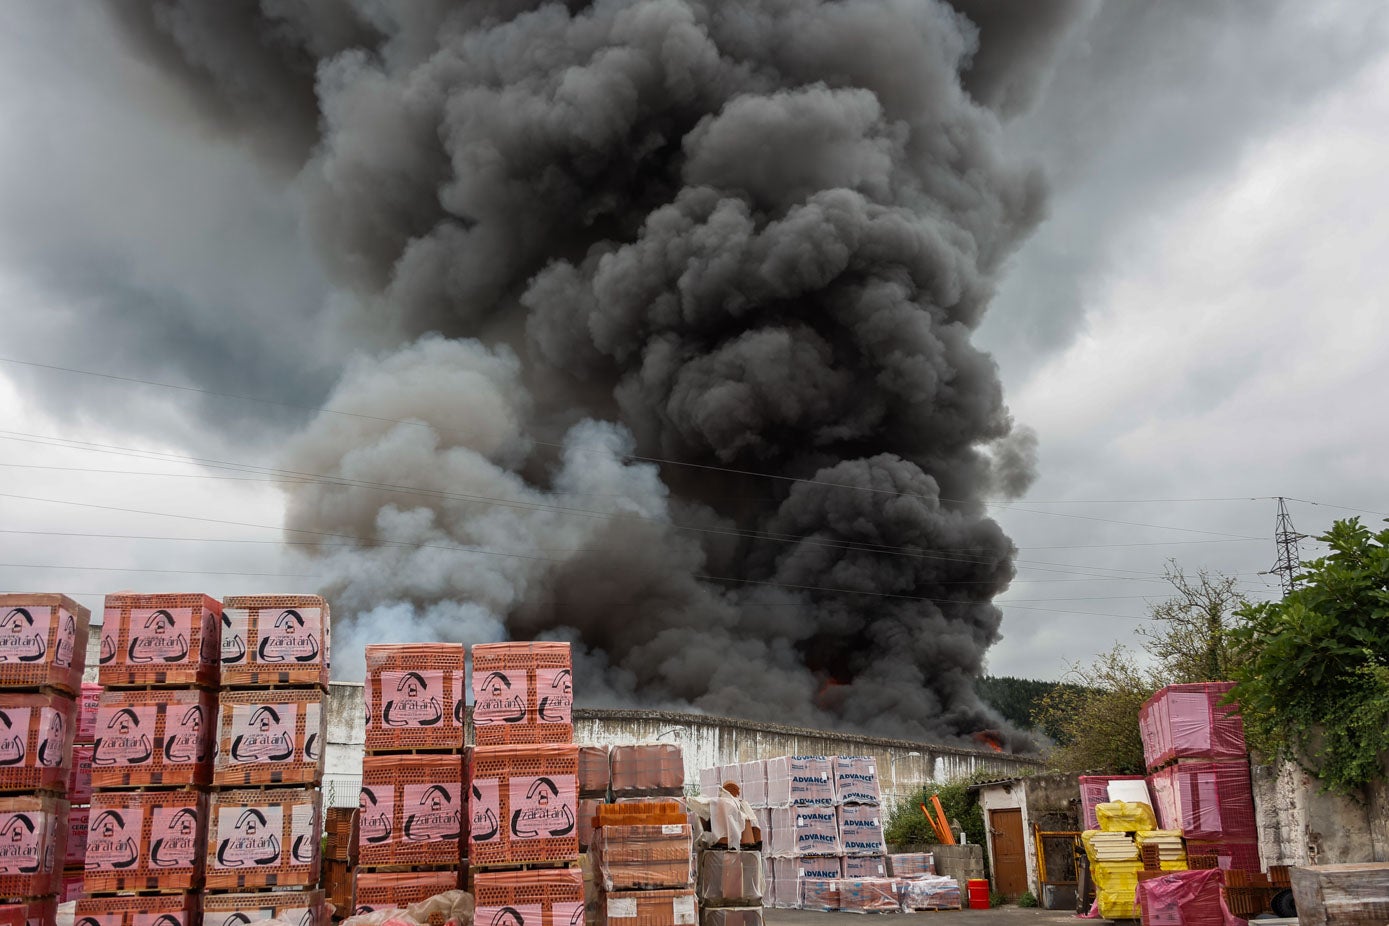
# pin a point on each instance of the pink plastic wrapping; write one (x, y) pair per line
(799, 780)
(88, 702)
(861, 829)
(648, 767)
(1182, 898)
(1094, 790)
(864, 866)
(595, 771)
(754, 782)
(80, 782)
(856, 779)
(730, 879)
(1190, 722)
(868, 895)
(805, 831)
(914, 864)
(1239, 855)
(1205, 800)
(76, 854)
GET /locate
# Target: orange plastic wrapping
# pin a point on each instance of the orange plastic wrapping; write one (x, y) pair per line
(272, 737)
(36, 732)
(275, 640)
(414, 696)
(546, 897)
(522, 693)
(159, 737)
(43, 642)
(411, 811)
(169, 640)
(643, 857)
(146, 841)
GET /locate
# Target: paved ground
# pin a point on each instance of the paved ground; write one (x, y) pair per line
(1000, 916)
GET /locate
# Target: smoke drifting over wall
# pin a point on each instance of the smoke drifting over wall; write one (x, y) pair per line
(753, 238)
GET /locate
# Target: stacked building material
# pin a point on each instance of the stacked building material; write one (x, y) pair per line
(522, 693)
(340, 826)
(929, 892)
(80, 791)
(1183, 898)
(414, 796)
(1114, 864)
(264, 849)
(152, 757)
(731, 887)
(647, 770)
(546, 897)
(911, 864)
(869, 895)
(643, 861)
(752, 778)
(1165, 847)
(1342, 895)
(1193, 742)
(860, 818)
(1094, 790)
(595, 783)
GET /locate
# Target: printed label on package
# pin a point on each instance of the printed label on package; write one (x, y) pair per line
(542, 807)
(186, 734)
(555, 689)
(14, 735)
(263, 733)
(24, 636)
(305, 848)
(113, 838)
(567, 913)
(53, 726)
(236, 627)
(159, 636)
(412, 699)
(516, 915)
(500, 697)
(290, 637)
(125, 736)
(157, 919)
(375, 813)
(486, 810)
(66, 643)
(432, 812)
(684, 908)
(21, 838)
(622, 908)
(173, 837)
(249, 837)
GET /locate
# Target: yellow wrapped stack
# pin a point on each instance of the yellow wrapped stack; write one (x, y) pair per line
(1125, 817)
(1171, 849)
(1114, 865)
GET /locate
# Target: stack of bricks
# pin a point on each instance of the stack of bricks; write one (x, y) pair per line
(151, 760)
(80, 790)
(804, 827)
(595, 788)
(340, 858)
(642, 855)
(523, 842)
(1193, 743)
(856, 798)
(263, 852)
(413, 801)
(43, 646)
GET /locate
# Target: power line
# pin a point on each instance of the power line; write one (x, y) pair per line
(186, 572)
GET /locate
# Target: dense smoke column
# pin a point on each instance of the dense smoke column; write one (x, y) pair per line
(752, 237)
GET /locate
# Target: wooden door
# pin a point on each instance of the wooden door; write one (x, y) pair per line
(1010, 863)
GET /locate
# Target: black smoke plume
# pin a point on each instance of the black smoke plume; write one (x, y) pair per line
(670, 308)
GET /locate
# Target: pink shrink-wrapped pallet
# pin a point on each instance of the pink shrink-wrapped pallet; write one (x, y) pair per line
(856, 780)
(868, 895)
(88, 703)
(523, 693)
(161, 640)
(754, 782)
(864, 866)
(820, 894)
(76, 854)
(860, 829)
(80, 781)
(731, 879)
(648, 768)
(36, 740)
(1094, 791)
(160, 736)
(1191, 722)
(595, 771)
(1183, 898)
(34, 830)
(414, 694)
(588, 809)
(43, 642)
(799, 780)
(275, 640)
(915, 864)
(1205, 800)
(812, 830)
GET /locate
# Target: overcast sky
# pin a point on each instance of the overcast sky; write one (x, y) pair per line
(1196, 326)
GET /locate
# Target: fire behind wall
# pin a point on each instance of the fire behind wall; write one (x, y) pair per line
(661, 321)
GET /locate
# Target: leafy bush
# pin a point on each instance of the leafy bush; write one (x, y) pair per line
(907, 825)
(1027, 899)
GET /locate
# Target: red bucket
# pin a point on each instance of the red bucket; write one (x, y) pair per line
(978, 894)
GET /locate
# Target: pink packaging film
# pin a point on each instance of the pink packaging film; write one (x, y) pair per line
(1205, 800)
(1190, 722)
(856, 779)
(76, 853)
(88, 703)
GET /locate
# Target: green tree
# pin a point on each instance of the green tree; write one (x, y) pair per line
(1017, 700)
(1314, 684)
(907, 825)
(1193, 639)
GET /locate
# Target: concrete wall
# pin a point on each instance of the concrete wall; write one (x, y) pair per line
(1300, 824)
(903, 765)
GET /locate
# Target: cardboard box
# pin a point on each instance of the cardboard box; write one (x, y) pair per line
(169, 640)
(270, 737)
(146, 841)
(524, 804)
(415, 697)
(43, 642)
(412, 811)
(522, 693)
(275, 640)
(259, 839)
(36, 733)
(153, 737)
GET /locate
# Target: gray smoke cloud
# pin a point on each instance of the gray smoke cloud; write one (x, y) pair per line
(737, 238)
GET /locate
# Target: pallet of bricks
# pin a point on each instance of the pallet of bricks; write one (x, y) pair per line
(151, 760)
(1199, 781)
(413, 804)
(523, 838)
(43, 645)
(340, 832)
(732, 884)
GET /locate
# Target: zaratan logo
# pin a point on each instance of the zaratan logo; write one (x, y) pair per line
(508, 916)
(267, 741)
(542, 813)
(289, 640)
(413, 705)
(486, 826)
(108, 844)
(51, 746)
(188, 746)
(434, 817)
(555, 705)
(123, 741)
(250, 843)
(159, 641)
(20, 641)
(496, 697)
(233, 645)
(14, 745)
(177, 845)
(375, 823)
